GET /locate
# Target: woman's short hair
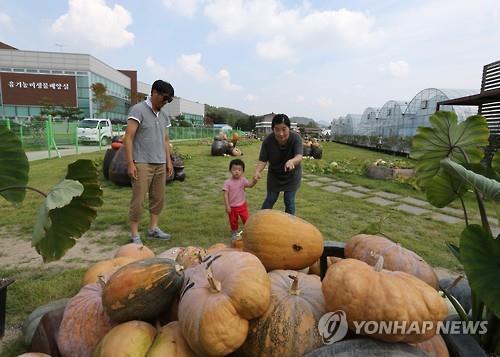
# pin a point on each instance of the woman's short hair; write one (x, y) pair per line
(280, 119)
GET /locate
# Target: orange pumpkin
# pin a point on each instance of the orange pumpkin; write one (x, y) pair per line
(218, 298)
(134, 251)
(289, 327)
(367, 248)
(316, 269)
(216, 247)
(368, 294)
(237, 243)
(104, 268)
(281, 240)
(84, 323)
(142, 289)
(191, 256)
(132, 338)
(170, 342)
(434, 347)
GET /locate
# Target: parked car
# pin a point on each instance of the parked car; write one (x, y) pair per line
(95, 130)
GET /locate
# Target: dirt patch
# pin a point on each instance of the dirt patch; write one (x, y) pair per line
(18, 252)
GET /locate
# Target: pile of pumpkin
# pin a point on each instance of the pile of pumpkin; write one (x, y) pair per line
(251, 299)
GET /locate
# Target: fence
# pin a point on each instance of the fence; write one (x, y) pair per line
(55, 134)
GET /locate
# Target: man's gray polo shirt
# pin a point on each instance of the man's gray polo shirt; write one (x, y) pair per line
(149, 140)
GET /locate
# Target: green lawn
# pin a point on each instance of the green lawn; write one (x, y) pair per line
(195, 215)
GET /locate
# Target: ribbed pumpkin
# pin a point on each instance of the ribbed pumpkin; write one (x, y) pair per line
(237, 243)
(134, 251)
(34, 354)
(218, 298)
(434, 347)
(289, 327)
(171, 253)
(142, 290)
(367, 248)
(104, 268)
(216, 247)
(281, 240)
(316, 269)
(132, 338)
(84, 323)
(170, 342)
(191, 256)
(366, 293)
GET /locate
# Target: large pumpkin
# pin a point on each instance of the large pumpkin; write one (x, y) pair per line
(368, 294)
(170, 342)
(367, 248)
(84, 323)
(142, 289)
(289, 327)
(218, 298)
(132, 338)
(134, 251)
(104, 268)
(281, 240)
(171, 253)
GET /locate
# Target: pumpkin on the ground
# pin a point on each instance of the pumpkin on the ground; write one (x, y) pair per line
(84, 323)
(134, 251)
(132, 338)
(191, 256)
(366, 293)
(142, 289)
(170, 342)
(289, 327)
(218, 298)
(368, 247)
(104, 268)
(281, 240)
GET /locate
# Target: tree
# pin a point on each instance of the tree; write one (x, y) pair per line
(49, 108)
(103, 101)
(71, 113)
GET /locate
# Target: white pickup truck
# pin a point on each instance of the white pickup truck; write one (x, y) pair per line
(95, 130)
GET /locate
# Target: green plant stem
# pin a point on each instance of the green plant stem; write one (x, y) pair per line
(482, 212)
(465, 210)
(22, 188)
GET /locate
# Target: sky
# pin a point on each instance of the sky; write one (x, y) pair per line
(318, 59)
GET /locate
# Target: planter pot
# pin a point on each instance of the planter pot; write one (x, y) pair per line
(382, 172)
(4, 284)
(460, 345)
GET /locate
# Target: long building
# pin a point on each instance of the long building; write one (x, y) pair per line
(30, 80)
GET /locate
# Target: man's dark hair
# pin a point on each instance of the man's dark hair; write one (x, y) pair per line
(162, 87)
(237, 162)
(280, 119)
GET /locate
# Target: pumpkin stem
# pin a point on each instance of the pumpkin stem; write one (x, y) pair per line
(294, 289)
(215, 285)
(101, 281)
(379, 264)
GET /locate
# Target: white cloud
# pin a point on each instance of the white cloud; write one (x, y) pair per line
(251, 98)
(300, 99)
(283, 32)
(276, 49)
(396, 69)
(224, 79)
(94, 23)
(191, 64)
(324, 102)
(185, 8)
(157, 69)
(5, 21)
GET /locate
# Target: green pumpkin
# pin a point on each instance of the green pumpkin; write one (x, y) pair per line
(142, 290)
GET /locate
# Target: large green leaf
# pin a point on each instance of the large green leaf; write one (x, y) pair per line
(480, 255)
(69, 222)
(447, 138)
(14, 166)
(488, 187)
(443, 189)
(495, 163)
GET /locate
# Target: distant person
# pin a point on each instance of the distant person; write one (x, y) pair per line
(234, 195)
(148, 158)
(282, 149)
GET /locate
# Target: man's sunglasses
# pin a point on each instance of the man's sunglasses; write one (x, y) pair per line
(166, 97)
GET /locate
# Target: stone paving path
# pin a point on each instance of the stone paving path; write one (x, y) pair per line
(409, 205)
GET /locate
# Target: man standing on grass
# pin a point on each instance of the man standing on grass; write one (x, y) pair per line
(147, 150)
